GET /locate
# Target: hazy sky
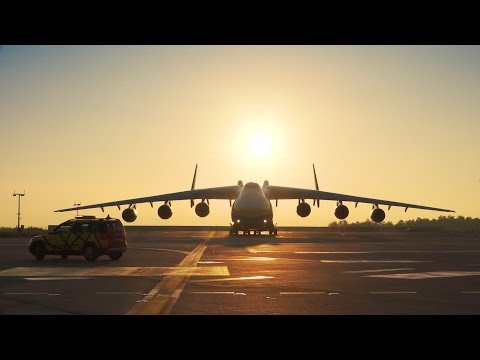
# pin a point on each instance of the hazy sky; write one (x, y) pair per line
(101, 123)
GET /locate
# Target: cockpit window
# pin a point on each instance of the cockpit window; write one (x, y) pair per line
(252, 185)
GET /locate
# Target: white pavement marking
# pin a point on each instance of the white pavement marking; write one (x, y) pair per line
(302, 292)
(254, 251)
(420, 252)
(393, 292)
(234, 279)
(254, 258)
(212, 292)
(372, 261)
(26, 293)
(333, 252)
(54, 278)
(172, 287)
(115, 271)
(470, 292)
(157, 249)
(374, 271)
(427, 275)
(433, 251)
(119, 293)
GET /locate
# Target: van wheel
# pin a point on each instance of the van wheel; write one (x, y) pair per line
(115, 256)
(90, 252)
(39, 251)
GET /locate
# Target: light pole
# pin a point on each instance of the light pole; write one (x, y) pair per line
(77, 205)
(19, 197)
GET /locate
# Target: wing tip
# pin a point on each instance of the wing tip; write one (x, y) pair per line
(64, 210)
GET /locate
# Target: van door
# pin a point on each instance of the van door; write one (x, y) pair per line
(56, 239)
(81, 232)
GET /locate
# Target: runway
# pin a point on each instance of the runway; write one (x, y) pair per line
(209, 272)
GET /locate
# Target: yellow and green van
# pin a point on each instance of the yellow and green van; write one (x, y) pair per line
(85, 235)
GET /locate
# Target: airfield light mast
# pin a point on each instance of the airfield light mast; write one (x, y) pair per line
(19, 197)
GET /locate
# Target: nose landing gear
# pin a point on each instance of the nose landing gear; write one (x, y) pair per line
(273, 231)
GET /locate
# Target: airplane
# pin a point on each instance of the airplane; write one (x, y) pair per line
(252, 208)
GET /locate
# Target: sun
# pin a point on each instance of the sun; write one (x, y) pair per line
(260, 144)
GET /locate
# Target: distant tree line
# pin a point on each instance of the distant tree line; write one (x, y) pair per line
(28, 231)
(448, 223)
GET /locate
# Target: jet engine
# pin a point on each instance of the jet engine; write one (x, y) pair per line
(303, 209)
(202, 209)
(378, 215)
(165, 212)
(341, 212)
(129, 215)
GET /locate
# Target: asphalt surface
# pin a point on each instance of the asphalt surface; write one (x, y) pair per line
(209, 272)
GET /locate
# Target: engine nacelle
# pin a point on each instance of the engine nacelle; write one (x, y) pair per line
(129, 215)
(165, 212)
(202, 209)
(303, 209)
(341, 212)
(378, 215)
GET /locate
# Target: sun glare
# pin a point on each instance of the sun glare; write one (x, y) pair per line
(260, 144)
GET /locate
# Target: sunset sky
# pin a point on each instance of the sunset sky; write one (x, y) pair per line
(93, 124)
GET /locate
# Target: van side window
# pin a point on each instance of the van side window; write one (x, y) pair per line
(103, 227)
(82, 227)
(64, 227)
(76, 227)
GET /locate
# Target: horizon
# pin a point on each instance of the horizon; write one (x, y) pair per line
(92, 124)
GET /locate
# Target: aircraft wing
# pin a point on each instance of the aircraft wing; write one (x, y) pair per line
(281, 192)
(225, 193)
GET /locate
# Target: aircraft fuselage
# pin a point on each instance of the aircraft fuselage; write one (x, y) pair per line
(252, 209)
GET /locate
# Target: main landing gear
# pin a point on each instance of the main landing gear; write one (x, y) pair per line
(235, 231)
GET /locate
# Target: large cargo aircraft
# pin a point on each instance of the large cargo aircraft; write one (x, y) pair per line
(252, 208)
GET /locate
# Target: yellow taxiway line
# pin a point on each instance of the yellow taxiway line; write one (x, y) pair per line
(161, 299)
